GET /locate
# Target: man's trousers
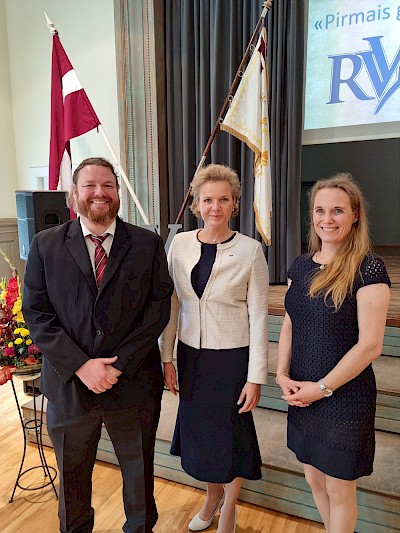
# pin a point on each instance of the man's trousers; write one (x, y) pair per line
(75, 438)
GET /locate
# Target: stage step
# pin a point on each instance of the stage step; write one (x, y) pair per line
(387, 372)
(282, 486)
(391, 341)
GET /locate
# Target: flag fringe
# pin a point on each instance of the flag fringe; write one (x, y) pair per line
(259, 227)
(240, 136)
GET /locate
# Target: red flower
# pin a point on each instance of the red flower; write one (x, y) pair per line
(12, 291)
(10, 352)
(33, 350)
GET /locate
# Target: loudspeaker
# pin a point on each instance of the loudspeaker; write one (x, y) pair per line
(36, 211)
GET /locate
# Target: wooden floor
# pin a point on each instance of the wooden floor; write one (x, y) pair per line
(392, 262)
(36, 511)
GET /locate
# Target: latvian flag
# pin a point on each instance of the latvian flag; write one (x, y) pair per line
(72, 115)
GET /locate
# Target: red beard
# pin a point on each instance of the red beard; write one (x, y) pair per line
(105, 219)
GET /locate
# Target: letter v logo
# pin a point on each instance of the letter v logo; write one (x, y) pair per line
(384, 77)
(380, 72)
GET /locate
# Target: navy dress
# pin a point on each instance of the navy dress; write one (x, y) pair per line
(336, 434)
(215, 443)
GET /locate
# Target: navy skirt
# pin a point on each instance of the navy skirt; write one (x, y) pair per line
(216, 443)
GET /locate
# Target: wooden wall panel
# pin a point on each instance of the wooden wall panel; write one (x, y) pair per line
(9, 244)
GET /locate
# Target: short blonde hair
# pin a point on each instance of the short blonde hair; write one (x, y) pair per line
(211, 173)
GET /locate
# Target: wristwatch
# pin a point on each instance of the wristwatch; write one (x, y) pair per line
(325, 390)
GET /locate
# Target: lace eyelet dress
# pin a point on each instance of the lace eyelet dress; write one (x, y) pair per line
(336, 434)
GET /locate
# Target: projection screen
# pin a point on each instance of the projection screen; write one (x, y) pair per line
(352, 76)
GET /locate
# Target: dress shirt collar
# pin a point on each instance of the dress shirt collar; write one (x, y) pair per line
(110, 230)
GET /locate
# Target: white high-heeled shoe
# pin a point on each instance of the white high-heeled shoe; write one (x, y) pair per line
(198, 524)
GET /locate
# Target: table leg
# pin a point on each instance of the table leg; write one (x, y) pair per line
(35, 424)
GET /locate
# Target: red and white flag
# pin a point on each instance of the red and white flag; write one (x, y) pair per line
(247, 119)
(72, 115)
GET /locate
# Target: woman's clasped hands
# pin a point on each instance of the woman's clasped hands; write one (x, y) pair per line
(299, 393)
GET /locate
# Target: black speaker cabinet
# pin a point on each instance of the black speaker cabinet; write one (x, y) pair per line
(36, 211)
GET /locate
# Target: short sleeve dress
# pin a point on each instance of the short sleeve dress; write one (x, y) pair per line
(336, 434)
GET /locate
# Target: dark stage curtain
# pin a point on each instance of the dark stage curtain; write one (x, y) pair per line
(205, 42)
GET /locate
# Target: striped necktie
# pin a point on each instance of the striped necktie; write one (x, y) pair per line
(100, 257)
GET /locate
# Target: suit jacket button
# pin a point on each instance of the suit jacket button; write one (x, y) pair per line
(99, 332)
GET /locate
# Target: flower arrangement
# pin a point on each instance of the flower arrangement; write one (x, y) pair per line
(17, 349)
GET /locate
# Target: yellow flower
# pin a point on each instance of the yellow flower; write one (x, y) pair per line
(28, 342)
(18, 341)
(19, 318)
(10, 345)
(17, 306)
(3, 287)
(17, 331)
(24, 332)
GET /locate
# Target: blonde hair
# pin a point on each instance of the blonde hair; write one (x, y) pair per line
(337, 278)
(214, 172)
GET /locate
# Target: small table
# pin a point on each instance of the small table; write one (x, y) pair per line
(36, 424)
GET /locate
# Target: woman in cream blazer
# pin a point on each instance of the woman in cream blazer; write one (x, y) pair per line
(219, 317)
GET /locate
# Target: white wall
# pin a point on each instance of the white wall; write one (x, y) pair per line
(8, 168)
(86, 30)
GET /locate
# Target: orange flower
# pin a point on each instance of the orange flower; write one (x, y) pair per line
(6, 374)
(31, 360)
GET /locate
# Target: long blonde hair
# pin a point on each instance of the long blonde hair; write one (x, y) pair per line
(337, 278)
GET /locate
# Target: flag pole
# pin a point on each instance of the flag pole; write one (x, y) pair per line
(124, 177)
(266, 7)
(53, 31)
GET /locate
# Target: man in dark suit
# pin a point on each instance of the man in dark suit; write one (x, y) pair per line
(96, 310)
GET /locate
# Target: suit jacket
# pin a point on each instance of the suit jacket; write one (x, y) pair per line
(233, 309)
(71, 321)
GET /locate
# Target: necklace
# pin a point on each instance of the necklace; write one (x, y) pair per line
(216, 240)
(321, 265)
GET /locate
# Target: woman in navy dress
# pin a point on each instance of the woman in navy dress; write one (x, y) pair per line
(336, 307)
(219, 315)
